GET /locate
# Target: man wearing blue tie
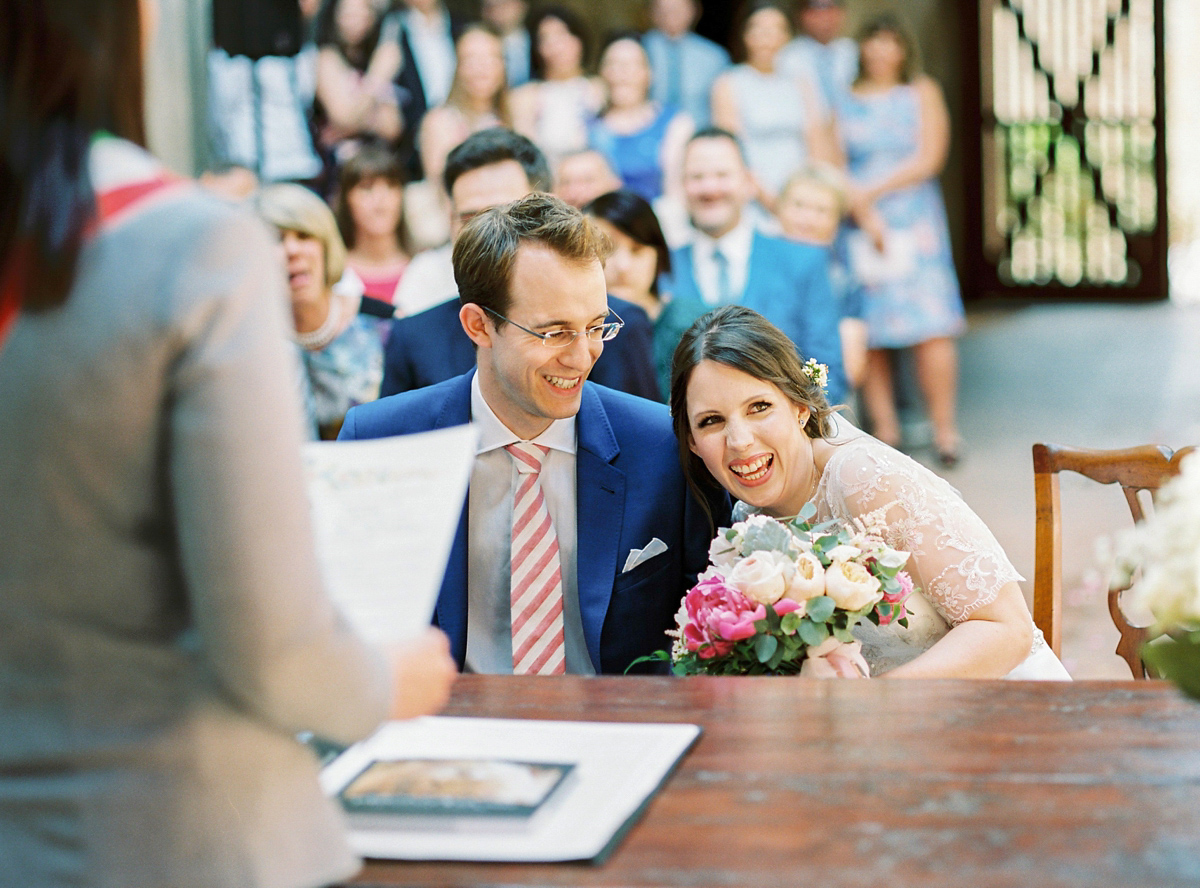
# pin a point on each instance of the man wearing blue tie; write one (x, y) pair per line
(580, 536)
(729, 261)
(684, 64)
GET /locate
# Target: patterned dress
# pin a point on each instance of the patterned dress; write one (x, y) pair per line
(911, 293)
(955, 560)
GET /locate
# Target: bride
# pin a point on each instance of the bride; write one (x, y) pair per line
(750, 417)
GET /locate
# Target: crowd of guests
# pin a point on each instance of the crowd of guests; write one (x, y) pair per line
(800, 181)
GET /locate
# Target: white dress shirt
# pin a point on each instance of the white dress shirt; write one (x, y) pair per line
(433, 52)
(428, 281)
(489, 539)
(735, 246)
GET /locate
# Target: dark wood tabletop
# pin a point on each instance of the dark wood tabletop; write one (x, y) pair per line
(880, 783)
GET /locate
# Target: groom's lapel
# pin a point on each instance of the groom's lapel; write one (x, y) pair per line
(600, 511)
(452, 599)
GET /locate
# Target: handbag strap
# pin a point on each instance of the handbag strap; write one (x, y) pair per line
(111, 205)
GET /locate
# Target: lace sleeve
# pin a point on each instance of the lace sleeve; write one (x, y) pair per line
(956, 560)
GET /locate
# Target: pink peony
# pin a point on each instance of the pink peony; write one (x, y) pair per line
(899, 611)
(718, 616)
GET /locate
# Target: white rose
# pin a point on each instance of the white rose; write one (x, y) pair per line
(723, 554)
(762, 577)
(808, 580)
(843, 553)
(851, 586)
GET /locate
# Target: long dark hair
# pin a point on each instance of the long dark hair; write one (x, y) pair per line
(68, 70)
(740, 338)
(373, 161)
(632, 215)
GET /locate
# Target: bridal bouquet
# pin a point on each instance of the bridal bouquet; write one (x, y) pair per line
(1166, 549)
(777, 595)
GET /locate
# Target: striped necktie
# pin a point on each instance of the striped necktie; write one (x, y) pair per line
(536, 590)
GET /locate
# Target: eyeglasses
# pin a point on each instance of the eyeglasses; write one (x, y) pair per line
(562, 338)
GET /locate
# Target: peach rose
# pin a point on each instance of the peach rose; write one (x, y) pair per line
(763, 576)
(808, 580)
(851, 585)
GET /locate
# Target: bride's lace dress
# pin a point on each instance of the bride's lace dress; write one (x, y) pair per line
(955, 561)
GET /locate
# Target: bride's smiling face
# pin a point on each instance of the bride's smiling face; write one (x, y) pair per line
(751, 438)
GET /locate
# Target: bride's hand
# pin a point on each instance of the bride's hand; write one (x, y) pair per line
(835, 659)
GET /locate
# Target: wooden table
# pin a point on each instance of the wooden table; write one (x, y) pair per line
(882, 784)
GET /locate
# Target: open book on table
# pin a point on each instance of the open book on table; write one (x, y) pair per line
(481, 789)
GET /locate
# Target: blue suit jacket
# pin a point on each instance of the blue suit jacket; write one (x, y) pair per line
(431, 347)
(786, 282)
(629, 490)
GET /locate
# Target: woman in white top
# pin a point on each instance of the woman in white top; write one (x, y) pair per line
(749, 418)
(777, 117)
(553, 110)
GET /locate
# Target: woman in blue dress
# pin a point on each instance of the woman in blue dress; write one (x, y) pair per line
(642, 139)
(894, 130)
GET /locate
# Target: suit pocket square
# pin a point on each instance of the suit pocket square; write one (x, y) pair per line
(641, 556)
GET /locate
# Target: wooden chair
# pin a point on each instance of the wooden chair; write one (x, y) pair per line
(1136, 469)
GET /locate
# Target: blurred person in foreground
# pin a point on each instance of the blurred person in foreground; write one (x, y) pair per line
(579, 537)
(493, 167)
(164, 632)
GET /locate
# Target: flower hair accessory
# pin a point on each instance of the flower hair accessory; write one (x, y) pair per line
(817, 372)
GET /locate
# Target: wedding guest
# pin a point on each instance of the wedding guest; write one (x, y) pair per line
(425, 32)
(582, 176)
(478, 100)
(261, 73)
(605, 481)
(640, 260)
(642, 139)
(820, 53)
(370, 218)
(684, 63)
(810, 210)
(553, 109)
(639, 268)
(751, 420)
(339, 348)
(729, 261)
(507, 19)
(895, 130)
(491, 168)
(777, 117)
(164, 630)
(356, 61)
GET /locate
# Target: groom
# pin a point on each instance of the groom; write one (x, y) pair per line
(580, 536)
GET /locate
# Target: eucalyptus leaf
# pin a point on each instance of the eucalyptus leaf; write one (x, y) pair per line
(812, 634)
(764, 647)
(820, 609)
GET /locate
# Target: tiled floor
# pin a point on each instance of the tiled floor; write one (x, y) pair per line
(1084, 375)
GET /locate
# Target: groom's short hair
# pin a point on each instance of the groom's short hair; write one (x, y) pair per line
(486, 249)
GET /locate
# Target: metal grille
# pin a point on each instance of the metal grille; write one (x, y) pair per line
(1070, 145)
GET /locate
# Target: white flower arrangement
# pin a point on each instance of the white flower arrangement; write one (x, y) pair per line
(1166, 546)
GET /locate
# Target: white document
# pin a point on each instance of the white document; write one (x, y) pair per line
(617, 767)
(385, 512)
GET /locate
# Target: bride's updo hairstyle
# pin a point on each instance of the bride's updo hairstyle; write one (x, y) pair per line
(740, 338)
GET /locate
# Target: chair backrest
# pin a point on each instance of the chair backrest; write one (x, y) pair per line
(1136, 469)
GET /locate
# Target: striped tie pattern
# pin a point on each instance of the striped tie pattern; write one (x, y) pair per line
(537, 597)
